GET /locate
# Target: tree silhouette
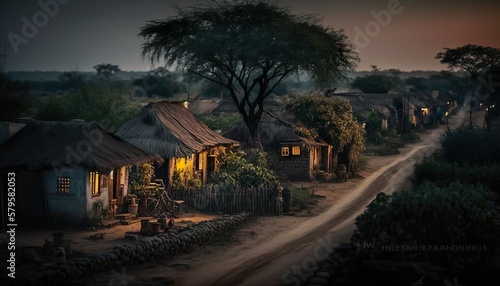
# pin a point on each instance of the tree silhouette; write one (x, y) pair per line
(476, 60)
(106, 71)
(249, 48)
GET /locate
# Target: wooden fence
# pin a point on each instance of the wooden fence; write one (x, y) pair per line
(231, 199)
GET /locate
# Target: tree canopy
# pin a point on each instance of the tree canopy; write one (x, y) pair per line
(106, 71)
(471, 58)
(249, 48)
(377, 83)
(331, 120)
(479, 61)
(92, 102)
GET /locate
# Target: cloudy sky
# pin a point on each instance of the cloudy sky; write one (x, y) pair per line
(68, 35)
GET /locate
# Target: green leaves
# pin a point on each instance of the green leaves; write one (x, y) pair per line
(249, 171)
(249, 48)
(330, 118)
(430, 215)
(471, 58)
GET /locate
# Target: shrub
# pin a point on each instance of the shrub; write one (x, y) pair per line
(469, 145)
(249, 171)
(431, 216)
(221, 122)
(301, 197)
(442, 174)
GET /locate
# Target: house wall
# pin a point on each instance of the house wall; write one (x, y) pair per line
(293, 168)
(197, 165)
(78, 204)
(97, 204)
(72, 206)
(185, 167)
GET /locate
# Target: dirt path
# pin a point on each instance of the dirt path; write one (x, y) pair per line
(279, 250)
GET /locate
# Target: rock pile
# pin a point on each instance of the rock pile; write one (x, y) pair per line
(160, 246)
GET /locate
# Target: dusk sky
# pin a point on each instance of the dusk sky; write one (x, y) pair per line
(78, 34)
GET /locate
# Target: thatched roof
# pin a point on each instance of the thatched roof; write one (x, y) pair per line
(203, 106)
(170, 130)
(273, 131)
(46, 144)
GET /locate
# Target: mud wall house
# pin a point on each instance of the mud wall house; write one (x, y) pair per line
(170, 130)
(428, 108)
(289, 155)
(383, 103)
(362, 109)
(67, 171)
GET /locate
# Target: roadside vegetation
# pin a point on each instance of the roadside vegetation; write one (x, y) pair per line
(245, 169)
(384, 141)
(454, 203)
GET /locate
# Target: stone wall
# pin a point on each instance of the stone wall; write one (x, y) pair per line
(160, 246)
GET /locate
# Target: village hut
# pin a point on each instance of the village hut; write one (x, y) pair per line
(290, 154)
(189, 147)
(67, 171)
(362, 108)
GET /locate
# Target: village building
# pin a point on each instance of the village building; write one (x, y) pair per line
(290, 155)
(170, 130)
(67, 171)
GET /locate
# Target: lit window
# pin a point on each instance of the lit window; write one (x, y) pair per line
(295, 150)
(285, 151)
(63, 185)
(95, 184)
(200, 162)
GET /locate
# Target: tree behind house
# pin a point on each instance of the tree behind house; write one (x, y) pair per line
(333, 122)
(249, 48)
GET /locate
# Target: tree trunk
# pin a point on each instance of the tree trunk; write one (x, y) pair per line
(253, 127)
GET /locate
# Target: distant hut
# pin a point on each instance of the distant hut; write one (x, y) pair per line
(292, 156)
(67, 171)
(169, 129)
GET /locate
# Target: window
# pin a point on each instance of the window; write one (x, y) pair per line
(285, 151)
(295, 150)
(95, 185)
(63, 185)
(199, 164)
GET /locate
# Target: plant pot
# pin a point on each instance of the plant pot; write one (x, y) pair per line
(132, 208)
(145, 226)
(155, 227)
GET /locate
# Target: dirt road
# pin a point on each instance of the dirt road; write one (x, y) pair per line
(285, 258)
(280, 250)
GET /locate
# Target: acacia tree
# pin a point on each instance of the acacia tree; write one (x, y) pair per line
(106, 71)
(475, 60)
(249, 48)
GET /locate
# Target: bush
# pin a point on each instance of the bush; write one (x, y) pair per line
(431, 216)
(301, 197)
(249, 171)
(384, 142)
(469, 145)
(221, 122)
(442, 174)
